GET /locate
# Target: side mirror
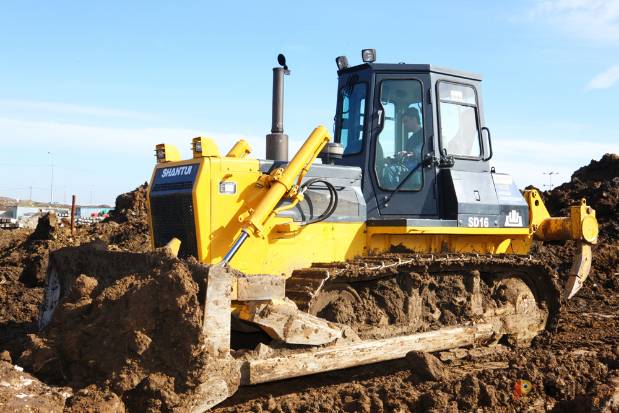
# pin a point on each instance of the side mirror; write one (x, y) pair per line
(281, 59)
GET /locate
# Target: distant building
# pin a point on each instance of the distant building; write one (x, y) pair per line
(21, 211)
(88, 211)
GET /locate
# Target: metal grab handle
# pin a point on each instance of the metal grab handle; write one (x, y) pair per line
(489, 144)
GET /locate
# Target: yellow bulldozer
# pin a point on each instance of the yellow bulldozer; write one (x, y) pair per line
(403, 238)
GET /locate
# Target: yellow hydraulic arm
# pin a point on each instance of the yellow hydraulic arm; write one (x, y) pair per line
(279, 184)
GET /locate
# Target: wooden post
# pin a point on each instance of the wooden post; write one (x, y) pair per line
(357, 354)
(73, 217)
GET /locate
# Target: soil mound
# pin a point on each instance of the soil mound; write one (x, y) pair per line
(24, 257)
(22, 393)
(598, 183)
(127, 228)
(92, 399)
(131, 205)
(140, 338)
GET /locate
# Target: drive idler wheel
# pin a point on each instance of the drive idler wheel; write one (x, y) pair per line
(521, 309)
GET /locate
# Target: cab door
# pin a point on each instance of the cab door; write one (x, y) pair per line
(401, 141)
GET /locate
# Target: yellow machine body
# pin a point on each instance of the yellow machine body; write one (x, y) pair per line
(217, 224)
(283, 246)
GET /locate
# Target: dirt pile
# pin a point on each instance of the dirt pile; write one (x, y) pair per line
(22, 393)
(93, 399)
(24, 256)
(127, 228)
(140, 338)
(131, 205)
(598, 183)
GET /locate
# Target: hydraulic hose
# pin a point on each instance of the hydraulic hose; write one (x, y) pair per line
(333, 200)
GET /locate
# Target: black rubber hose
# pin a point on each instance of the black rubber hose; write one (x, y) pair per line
(333, 200)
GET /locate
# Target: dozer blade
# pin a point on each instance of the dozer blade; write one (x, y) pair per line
(67, 264)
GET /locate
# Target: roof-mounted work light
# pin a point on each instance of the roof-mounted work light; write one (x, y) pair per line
(342, 62)
(368, 55)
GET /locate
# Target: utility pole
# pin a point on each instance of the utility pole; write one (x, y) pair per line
(52, 192)
(73, 217)
(550, 174)
(31, 190)
(91, 194)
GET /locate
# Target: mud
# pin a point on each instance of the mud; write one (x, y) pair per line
(405, 293)
(131, 205)
(140, 338)
(598, 183)
(93, 399)
(573, 369)
(21, 392)
(135, 345)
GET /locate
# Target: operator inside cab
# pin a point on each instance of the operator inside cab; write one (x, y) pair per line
(401, 141)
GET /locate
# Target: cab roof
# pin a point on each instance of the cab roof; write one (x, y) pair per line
(411, 68)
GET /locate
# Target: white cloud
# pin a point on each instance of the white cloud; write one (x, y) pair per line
(589, 19)
(75, 109)
(528, 160)
(71, 137)
(110, 160)
(528, 150)
(605, 80)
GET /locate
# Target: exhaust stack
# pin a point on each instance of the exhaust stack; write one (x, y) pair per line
(277, 141)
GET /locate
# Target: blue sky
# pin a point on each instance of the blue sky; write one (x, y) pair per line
(99, 84)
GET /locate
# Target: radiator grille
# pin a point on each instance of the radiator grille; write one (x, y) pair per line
(173, 217)
(172, 186)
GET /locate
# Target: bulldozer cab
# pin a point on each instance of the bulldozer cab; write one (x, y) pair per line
(408, 127)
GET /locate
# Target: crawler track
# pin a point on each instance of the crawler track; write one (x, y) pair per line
(397, 294)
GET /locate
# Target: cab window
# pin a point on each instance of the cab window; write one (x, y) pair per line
(401, 140)
(351, 117)
(459, 130)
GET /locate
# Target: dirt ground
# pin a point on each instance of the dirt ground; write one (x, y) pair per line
(24, 255)
(135, 346)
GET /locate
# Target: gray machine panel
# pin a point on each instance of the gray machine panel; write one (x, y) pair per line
(475, 193)
(514, 210)
(482, 199)
(403, 222)
(351, 205)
